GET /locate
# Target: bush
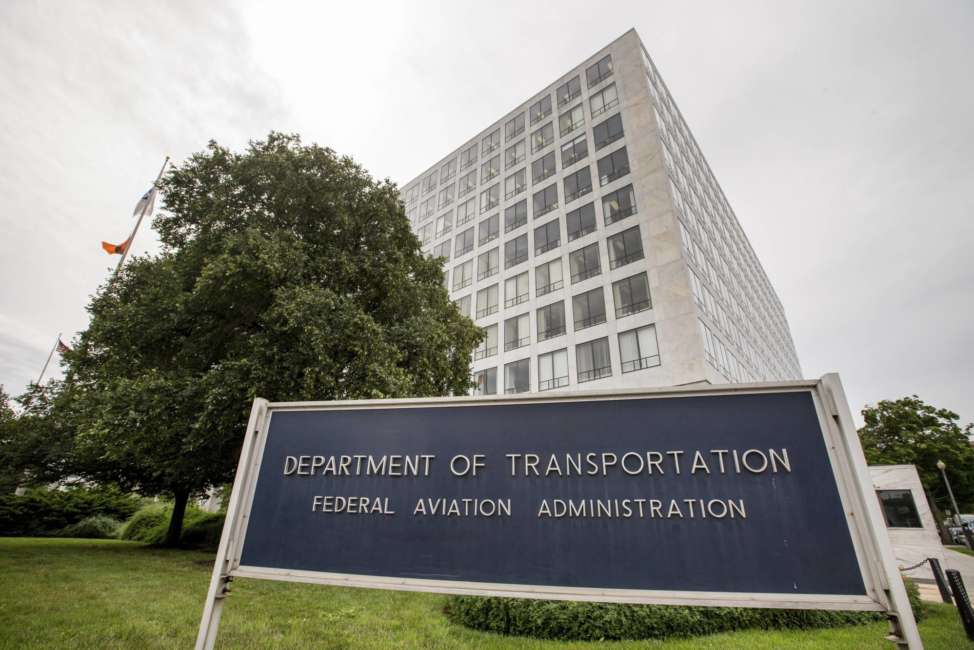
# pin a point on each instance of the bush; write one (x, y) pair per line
(150, 524)
(97, 527)
(913, 593)
(43, 511)
(579, 621)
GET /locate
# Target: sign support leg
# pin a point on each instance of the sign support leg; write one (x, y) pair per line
(903, 626)
(221, 577)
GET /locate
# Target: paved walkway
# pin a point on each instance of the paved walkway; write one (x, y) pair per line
(964, 564)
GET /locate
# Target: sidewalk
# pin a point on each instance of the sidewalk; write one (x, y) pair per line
(963, 563)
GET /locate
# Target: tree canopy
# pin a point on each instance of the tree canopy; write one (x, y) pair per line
(910, 431)
(287, 272)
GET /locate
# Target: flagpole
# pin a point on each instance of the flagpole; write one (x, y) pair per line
(50, 354)
(145, 207)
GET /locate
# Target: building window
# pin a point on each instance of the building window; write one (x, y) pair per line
(543, 167)
(447, 194)
(463, 304)
(466, 211)
(468, 157)
(551, 321)
(427, 207)
(514, 154)
(540, 109)
(516, 251)
(429, 183)
(588, 308)
(545, 201)
(581, 221)
(489, 230)
(487, 301)
(603, 100)
(425, 234)
(490, 198)
(542, 137)
(485, 382)
(444, 223)
(618, 205)
(613, 166)
(569, 91)
(514, 127)
(638, 349)
(517, 332)
(516, 215)
(468, 183)
(464, 243)
(573, 151)
(608, 131)
(516, 290)
(625, 247)
(592, 360)
(599, 71)
(448, 170)
(490, 169)
(487, 347)
(899, 509)
(631, 295)
(462, 275)
(488, 263)
(547, 237)
(547, 277)
(491, 143)
(517, 376)
(584, 263)
(578, 184)
(442, 250)
(553, 370)
(571, 120)
(515, 183)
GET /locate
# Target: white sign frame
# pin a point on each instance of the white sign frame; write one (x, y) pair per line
(884, 587)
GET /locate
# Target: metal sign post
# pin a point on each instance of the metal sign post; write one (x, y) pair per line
(560, 496)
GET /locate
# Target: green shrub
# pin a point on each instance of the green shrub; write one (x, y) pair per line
(203, 529)
(97, 527)
(913, 593)
(43, 511)
(577, 621)
(148, 525)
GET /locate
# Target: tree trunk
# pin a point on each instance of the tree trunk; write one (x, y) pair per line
(180, 499)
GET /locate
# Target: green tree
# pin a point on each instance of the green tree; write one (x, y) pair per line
(910, 431)
(35, 448)
(288, 273)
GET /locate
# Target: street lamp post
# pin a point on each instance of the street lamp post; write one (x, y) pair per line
(941, 465)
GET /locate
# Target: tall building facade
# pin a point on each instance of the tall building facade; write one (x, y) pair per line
(586, 234)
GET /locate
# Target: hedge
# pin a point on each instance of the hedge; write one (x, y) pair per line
(581, 621)
(97, 527)
(44, 512)
(149, 525)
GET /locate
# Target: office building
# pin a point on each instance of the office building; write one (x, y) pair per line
(585, 232)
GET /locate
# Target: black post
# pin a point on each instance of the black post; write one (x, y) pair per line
(962, 600)
(938, 576)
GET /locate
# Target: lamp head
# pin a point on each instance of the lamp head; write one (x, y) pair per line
(941, 465)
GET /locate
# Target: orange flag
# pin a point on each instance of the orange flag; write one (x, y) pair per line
(116, 249)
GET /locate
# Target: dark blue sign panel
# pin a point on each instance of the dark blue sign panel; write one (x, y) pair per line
(722, 493)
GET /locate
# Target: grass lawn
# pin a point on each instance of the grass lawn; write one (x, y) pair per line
(72, 593)
(961, 549)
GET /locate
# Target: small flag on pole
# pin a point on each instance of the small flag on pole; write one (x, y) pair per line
(116, 249)
(147, 202)
(61, 347)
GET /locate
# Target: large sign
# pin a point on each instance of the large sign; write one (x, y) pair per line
(745, 496)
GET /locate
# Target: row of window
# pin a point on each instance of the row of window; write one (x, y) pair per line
(569, 120)
(638, 350)
(623, 248)
(629, 295)
(616, 206)
(573, 151)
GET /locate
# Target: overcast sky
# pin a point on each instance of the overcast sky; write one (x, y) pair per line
(841, 133)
